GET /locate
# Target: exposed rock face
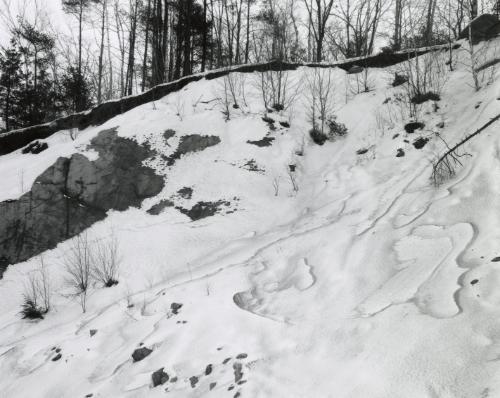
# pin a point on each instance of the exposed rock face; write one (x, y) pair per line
(75, 193)
(192, 143)
(159, 377)
(484, 27)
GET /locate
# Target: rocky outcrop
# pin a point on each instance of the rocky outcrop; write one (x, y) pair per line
(192, 143)
(484, 27)
(75, 193)
(19, 138)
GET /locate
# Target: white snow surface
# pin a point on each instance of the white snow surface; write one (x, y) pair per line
(356, 286)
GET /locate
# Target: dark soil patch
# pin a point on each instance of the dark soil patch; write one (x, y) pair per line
(192, 143)
(411, 127)
(185, 193)
(420, 98)
(420, 142)
(168, 134)
(266, 141)
(252, 165)
(159, 207)
(204, 209)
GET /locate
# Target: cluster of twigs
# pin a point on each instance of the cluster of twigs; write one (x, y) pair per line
(444, 168)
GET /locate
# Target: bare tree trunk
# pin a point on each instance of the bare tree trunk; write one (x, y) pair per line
(204, 40)
(101, 53)
(247, 44)
(146, 45)
(398, 16)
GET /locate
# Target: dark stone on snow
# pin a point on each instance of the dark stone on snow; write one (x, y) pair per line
(474, 281)
(230, 388)
(399, 79)
(57, 357)
(237, 395)
(89, 395)
(238, 371)
(185, 193)
(355, 69)
(361, 151)
(285, 124)
(292, 167)
(420, 142)
(242, 356)
(203, 209)
(173, 379)
(159, 377)
(159, 207)
(266, 141)
(74, 193)
(268, 120)
(484, 27)
(496, 260)
(93, 332)
(140, 353)
(168, 134)
(35, 148)
(192, 143)
(411, 127)
(440, 125)
(208, 369)
(424, 97)
(400, 153)
(193, 380)
(175, 307)
(226, 361)
(212, 385)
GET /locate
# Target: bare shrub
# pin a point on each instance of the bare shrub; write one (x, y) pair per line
(78, 264)
(321, 106)
(358, 83)
(277, 90)
(37, 293)
(106, 261)
(427, 74)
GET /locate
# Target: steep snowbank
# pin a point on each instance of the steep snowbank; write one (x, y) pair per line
(366, 282)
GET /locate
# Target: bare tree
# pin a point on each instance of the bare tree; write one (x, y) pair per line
(318, 17)
(78, 264)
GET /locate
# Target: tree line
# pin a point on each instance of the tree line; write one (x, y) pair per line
(122, 47)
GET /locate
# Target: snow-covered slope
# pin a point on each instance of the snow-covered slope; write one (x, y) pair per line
(367, 281)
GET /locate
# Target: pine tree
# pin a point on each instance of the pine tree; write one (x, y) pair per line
(76, 91)
(10, 85)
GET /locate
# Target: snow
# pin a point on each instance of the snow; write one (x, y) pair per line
(358, 285)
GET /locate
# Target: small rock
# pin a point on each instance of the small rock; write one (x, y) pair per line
(241, 356)
(241, 382)
(237, 395)
(193, 380)
(285, 125)
(58, 350)
(361, 151)
(57, 358)
(93, 332)
(440, 125)
(212, 385)
(238, 371)
(175, 307)
(400, 153)
(140, 353)
(173, 379)
(208, 369)
(159, 377)
(420, 142)
(292, 167)
(89, 395)
(230, 388)
(226, 361)
(474, 281)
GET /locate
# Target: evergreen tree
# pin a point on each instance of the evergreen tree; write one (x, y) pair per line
(10, 85)
(76, 91)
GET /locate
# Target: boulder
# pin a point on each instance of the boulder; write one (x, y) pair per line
(484, 27)
(140, 353)
(159, 377)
